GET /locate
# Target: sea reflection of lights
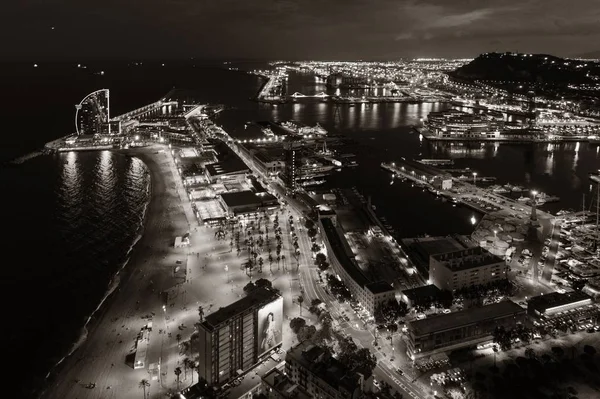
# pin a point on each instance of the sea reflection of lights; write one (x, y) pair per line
(549, 163)
(420, 138)
(296, 111)
(396, 115)
(70, 167)
(352, 117)
(362, 114)
(496, 146)
(473, 220)
(577, 147)
(105, 164)
(71, 180)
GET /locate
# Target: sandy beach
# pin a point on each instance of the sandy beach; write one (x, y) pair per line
(210, 275)
(113, 331)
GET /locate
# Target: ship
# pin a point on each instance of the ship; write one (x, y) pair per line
(268, 132)
(594, 140)
(311, 182)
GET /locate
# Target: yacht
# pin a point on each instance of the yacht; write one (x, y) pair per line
(268, 132)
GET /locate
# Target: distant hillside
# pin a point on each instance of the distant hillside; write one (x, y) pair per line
(592, 55)
(537, 69)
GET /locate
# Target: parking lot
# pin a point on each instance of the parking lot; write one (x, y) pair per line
(585, 318)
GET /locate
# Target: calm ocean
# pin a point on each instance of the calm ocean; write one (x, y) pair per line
(71, 219)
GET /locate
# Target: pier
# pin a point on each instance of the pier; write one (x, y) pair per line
(504, 137)
(461, 191)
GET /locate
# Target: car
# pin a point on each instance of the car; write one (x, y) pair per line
(446, 311)
(421, 316)
(400, 371)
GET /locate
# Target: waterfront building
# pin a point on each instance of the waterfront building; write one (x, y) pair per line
(550, 305)
(420, 249)
(292, 157)
(458, 124)
(247, 201)
(323, 376)
(436, 177)
(227, 170)
(236, 338)
(465, 328)
(229, 166)
(370, 294)
(466, 268)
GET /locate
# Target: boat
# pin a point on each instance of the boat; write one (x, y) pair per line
(268, 132)
(499, 189)
(594, 140)
(311, 182)
(320, 129)
(523, 199)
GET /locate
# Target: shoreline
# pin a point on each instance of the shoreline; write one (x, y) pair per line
(122, 287)
(113, 286)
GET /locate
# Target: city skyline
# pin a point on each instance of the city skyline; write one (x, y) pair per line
(291, 29)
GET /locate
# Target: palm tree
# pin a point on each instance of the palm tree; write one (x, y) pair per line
(185, 362)
(178, 338)
(177, 372)
(192, 367)
(144, 383)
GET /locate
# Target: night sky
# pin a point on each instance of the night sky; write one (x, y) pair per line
(296, 29)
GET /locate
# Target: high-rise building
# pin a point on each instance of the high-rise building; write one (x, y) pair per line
(291, 150)
(235, 338)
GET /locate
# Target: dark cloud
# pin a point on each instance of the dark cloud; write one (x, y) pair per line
(325, 29)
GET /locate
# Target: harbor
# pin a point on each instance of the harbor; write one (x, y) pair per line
(459, 191)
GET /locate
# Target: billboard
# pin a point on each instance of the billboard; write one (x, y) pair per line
(270, 321)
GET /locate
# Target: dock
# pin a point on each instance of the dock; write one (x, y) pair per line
(436, 162)
(460, 191)
(503, 138)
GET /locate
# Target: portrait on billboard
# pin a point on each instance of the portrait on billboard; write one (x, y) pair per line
(269, 325)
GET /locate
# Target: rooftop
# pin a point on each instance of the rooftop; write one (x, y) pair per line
(464, 318)
(379, 287)
(419, 167)
(256, 298)
(543, 302)
(227, 166)
(248, 198)
(437, 245)
(342, 252)
(468, 258)
(321, 364)
(425, 291)
(283, 385)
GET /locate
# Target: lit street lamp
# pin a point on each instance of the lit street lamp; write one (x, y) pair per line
(534, 194)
